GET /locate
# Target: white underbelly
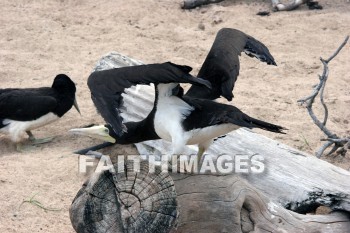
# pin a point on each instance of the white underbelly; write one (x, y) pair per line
(17, 129)
(166, 124)
(198, 136)
(171, 111)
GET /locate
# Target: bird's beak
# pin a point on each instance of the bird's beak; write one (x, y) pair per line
(100, 132)
(75, 103)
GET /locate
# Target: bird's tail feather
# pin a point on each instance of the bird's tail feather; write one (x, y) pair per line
(255, 123)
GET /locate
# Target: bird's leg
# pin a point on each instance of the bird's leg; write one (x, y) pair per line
(31, 136)
(178, 144)
(200, 153)
(36, 141)
(202, 147)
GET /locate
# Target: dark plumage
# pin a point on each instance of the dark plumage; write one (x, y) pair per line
(221, 66)
(213, 113)
(22, 110)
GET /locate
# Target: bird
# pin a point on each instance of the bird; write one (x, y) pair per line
(177, 118)
(107, 87)
(25, 109)
(183, 119)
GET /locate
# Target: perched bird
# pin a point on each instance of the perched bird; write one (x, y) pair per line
(107, 87)
(23, 110)
(188, 119)
(182, 120)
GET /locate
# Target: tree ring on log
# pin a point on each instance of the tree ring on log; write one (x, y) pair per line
(132, 199)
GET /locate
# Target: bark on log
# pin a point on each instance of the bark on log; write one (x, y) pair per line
(236, 202)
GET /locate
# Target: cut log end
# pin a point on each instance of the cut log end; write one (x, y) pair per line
(132, 200)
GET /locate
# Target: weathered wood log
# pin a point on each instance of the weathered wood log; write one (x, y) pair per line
(276, 4)
(235, 202)
(203, 203)
(190, 4)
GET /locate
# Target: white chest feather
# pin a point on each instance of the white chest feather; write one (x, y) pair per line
(171, 111)
(17, 129)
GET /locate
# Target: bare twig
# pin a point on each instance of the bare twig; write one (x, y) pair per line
(333, 139)
(324, 105)
(345, 140)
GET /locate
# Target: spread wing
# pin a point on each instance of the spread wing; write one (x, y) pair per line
(221, 66)
(107, 86)
(24, 105)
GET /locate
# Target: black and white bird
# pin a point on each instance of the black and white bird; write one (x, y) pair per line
(182, 120)
(23, 110)
(191, 119)
(107, 87)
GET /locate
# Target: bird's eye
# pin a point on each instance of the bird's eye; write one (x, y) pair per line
(107, 131)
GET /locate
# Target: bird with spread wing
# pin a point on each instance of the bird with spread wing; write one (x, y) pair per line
(183, 119)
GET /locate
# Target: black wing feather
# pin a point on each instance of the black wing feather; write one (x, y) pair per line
(214, 113)
(107, 86)
(25, 104)
(221, 66)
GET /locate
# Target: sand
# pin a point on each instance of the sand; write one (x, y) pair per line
(39, 39)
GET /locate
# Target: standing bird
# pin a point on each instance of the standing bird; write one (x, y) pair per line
(182, 120)
(107, 87)
(23, 110)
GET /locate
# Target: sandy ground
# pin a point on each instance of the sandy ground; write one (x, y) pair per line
(39, 39)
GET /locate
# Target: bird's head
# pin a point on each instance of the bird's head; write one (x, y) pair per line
(64, 83)
(66, 86)
(102, 132)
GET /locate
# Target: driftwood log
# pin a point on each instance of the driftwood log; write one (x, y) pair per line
(190, 4)
(276, 4)
(277, 199)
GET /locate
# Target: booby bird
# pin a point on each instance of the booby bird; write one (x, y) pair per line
(221, 66)
(107, 87)
(23, 110)
(182, 120)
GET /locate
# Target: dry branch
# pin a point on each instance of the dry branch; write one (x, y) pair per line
(308, 101)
